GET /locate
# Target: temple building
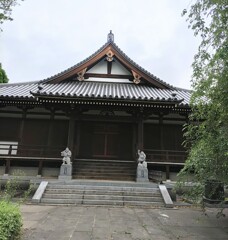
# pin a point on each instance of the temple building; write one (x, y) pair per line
(104, 109)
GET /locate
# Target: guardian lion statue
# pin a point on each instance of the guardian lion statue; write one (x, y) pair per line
(66, 154)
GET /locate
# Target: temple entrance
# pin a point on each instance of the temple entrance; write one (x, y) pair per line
(105, 152)
(106, 141)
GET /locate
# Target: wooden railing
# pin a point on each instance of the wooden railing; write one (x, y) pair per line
(29, 153)
(30, 150)
(165, 158)
(43, 154)
(162, 156)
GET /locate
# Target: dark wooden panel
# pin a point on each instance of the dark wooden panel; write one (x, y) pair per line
(58, 134)
(106, 140)
(98, 144)
(9, 129)
(152, 136)
(35, 132)
(173, 137)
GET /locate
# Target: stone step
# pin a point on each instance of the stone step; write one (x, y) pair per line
(100, 202)
(107, 184)
(103, 192)
(75, 164)
(108, 193)
(116, 176)
(128, 165)
(104, 172)
(104, 188)
(105, 162)
(103, 197)
(112, 193)
(114, 170)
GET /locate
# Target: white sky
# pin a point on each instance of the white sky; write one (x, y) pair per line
(49, 36)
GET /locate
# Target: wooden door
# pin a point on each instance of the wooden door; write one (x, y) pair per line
(105, 140)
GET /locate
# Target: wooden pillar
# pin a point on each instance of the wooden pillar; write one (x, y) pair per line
(134, 140)
(50, 126)
(7, 168)
(140, 132)
(78, 138)
(167, 172)
(40, 167)
(71, 128)
(161, 131)
(22, 125)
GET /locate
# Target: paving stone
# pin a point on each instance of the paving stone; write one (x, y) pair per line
(81, 236)
(83, 227)
(121, 236)
(101, 223)
(101, 233)
(108, 223)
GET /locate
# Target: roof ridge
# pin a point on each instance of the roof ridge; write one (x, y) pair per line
(118, 49)
(18, 83)
(139, 67)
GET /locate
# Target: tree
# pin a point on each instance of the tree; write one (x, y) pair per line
(3, 76)
(206, 134)
(6, 10)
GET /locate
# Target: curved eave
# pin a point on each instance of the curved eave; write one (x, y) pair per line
(105, 100)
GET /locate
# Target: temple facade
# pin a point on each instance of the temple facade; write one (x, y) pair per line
(104, 109)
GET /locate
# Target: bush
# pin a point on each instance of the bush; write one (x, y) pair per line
(10, 221)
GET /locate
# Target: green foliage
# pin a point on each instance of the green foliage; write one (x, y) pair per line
(206, 133)
(10, 221)
(6, 10)
(13, 187)
(3, 76)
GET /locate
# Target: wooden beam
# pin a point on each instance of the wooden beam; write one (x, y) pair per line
(98, 75)
(109, 67)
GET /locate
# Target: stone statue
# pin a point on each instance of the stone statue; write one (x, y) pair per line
(66, 154)
(142, 171)
(142, 159)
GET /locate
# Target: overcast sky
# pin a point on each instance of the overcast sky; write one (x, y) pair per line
(49, 36)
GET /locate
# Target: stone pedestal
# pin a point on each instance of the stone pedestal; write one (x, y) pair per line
(142, 173)
(65, 172)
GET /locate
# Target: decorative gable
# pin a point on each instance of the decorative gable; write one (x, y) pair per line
(109, 62)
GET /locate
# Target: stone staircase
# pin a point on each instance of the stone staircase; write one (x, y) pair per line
(102, 193)
(104, 169)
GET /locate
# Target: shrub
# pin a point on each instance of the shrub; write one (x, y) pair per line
(10, 221)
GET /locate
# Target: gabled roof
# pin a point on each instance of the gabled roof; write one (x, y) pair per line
(116, 52)
(124, 82)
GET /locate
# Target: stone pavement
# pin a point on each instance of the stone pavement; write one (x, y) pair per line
(110, 223)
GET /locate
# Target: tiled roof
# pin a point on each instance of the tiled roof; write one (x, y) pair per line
(18, 90)
(95, 91)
